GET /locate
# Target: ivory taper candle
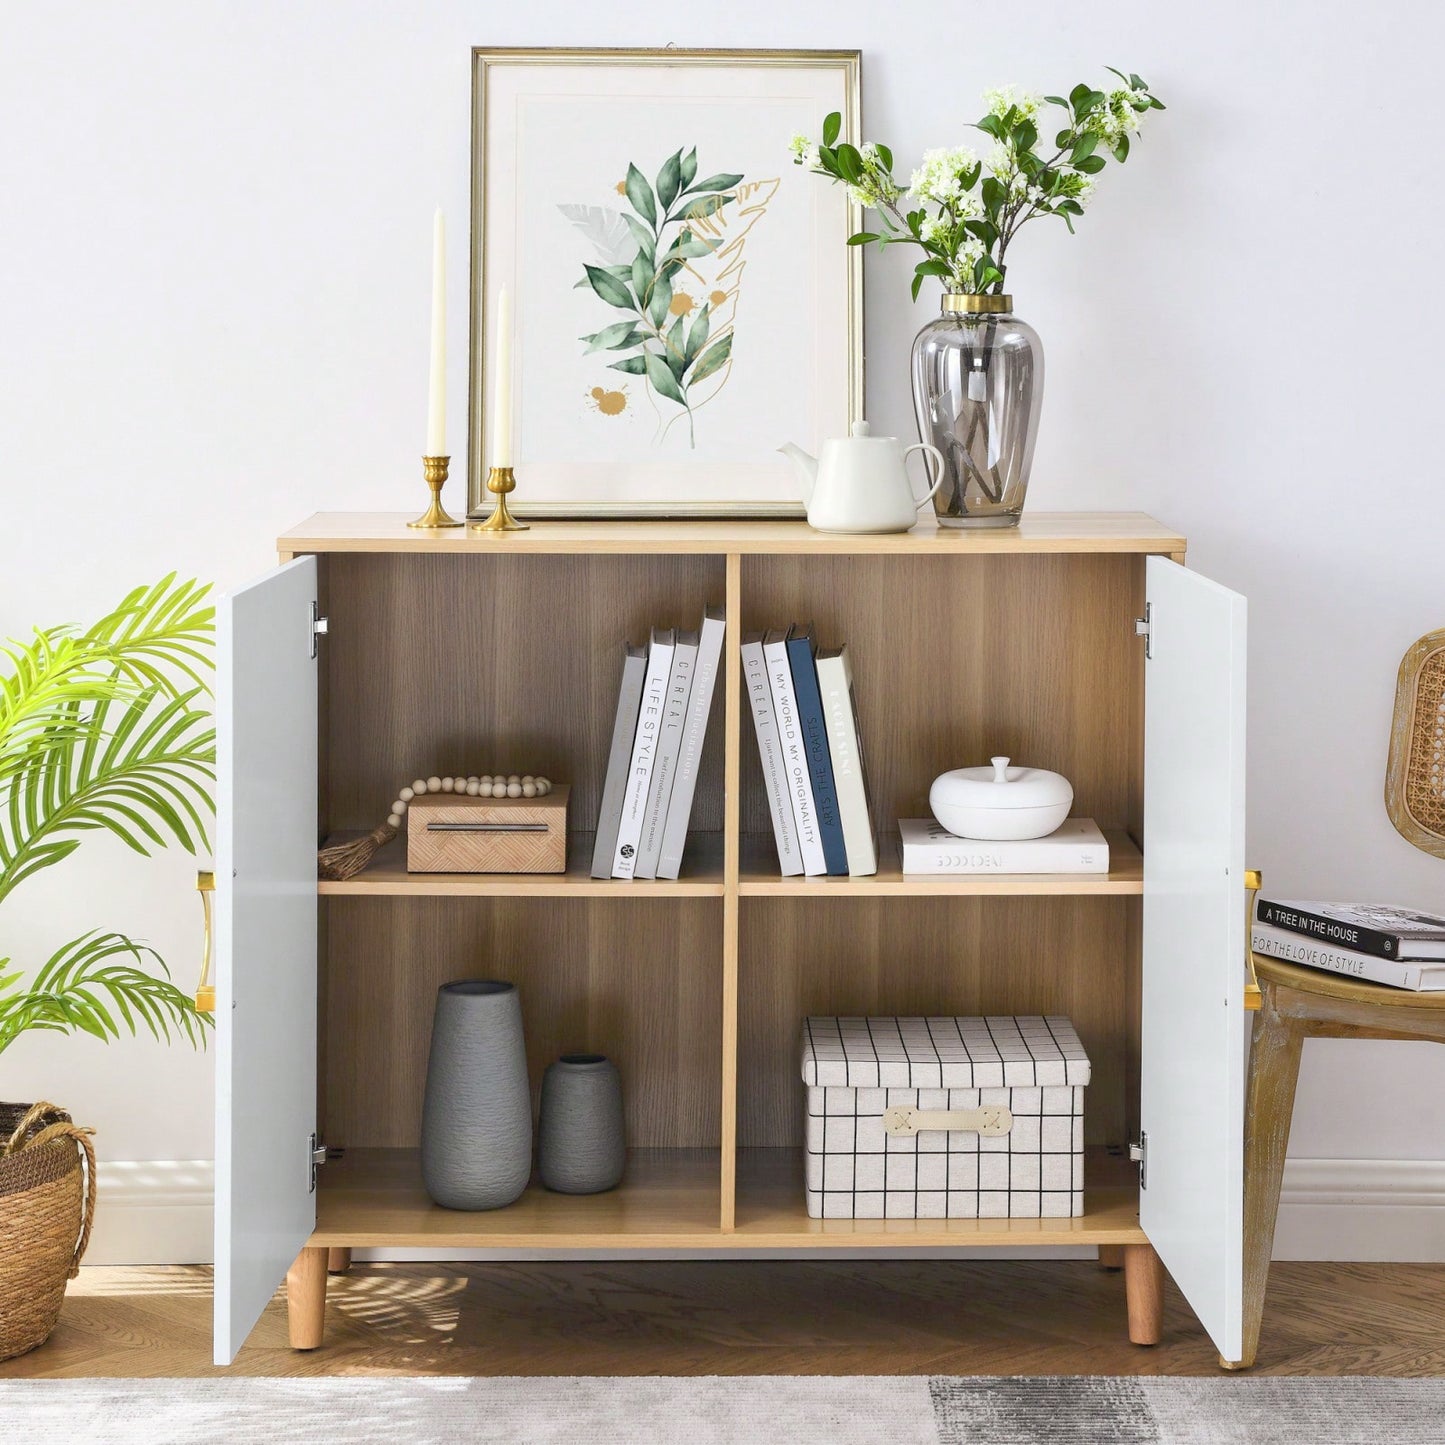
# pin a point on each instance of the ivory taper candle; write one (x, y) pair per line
(436, 415)
(502, 382)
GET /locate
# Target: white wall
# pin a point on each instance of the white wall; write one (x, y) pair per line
(214, 252)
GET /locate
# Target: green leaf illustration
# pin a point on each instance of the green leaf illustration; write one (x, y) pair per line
(703, 207)
(697, 335)
(660, 300)
(632, 365)
(662, 379)
(713, 359)
(689, 245)
(676, 344)
(723, 181)
(640, 194)
(669, 180)
(643, 237)
(612, 338)
(609, 288)
(689, 167)
(642, 279)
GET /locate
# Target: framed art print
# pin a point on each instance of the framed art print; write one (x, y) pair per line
(683, 300)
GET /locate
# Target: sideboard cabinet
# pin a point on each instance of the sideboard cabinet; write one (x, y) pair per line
(374, 654)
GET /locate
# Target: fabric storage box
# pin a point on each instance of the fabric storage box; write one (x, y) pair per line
(944, 1118)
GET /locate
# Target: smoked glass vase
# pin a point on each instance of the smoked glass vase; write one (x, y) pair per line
(978, 379)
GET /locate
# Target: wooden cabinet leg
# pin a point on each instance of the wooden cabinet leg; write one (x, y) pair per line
(1144, 1291)
(338, 1261)
(1269, 1103)
(1111, 1256)
(306, 1299)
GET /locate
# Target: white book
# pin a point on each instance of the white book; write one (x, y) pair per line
(644, 751)
(1077, 847)
(759, 696)
(795, 754)
(669, 746)
(1277, 942)
(840, 715)
(699, 708)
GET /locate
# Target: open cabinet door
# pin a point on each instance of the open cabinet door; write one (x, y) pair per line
(1192, 1078)
(266, 700)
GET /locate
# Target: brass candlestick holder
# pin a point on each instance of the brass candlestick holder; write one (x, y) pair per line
(500, 481)
(434, 469)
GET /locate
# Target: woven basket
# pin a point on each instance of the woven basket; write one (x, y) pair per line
(47, 1202)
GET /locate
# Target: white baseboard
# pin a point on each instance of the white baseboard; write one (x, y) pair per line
(153, 1211)
(159, 1212)
(1362, 1209)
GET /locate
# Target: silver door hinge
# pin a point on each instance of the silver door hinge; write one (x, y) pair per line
(1144, 627)
(318, 1158)
(1139, 1154)
(319, 627)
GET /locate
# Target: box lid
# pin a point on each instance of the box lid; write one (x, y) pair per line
(942, 1053)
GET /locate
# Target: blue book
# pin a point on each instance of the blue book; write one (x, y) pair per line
(815, 741)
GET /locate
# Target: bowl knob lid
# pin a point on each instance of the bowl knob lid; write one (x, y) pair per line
(1000, 769)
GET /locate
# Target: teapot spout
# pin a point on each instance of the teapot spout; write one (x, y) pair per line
(805, 465)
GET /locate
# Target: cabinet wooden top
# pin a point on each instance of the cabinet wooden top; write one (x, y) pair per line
(1038, 532)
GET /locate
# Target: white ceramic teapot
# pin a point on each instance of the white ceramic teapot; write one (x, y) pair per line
(861, 482)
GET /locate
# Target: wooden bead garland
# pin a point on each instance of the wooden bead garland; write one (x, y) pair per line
(345, 860)
(489, 785)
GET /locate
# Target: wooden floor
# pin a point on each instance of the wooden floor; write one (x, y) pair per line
(743, 1317)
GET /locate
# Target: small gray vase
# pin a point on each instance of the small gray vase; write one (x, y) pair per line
(581, 1148)
(476, 1128)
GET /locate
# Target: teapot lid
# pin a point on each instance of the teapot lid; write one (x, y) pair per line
(1003, 786)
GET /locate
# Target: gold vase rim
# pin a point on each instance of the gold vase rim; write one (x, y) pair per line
(955, 301)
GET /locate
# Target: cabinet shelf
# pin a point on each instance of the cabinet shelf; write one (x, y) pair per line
(373, 1198)
(759, 876)
(702, 877)
(669, 1199)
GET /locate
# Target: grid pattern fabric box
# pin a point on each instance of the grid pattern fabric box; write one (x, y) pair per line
(944, 1118)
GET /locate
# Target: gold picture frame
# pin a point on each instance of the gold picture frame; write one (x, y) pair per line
(520, 94)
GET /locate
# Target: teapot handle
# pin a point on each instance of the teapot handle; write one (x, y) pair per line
(937, 457)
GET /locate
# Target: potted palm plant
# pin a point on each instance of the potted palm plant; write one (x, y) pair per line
(102, 730)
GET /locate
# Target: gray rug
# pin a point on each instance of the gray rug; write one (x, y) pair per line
(791, 1410)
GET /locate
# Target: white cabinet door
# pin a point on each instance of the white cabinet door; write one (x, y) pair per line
(266, 699)
(1192, 1079)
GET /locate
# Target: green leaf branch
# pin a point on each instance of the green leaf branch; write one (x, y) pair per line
(673, 357)
(963, 212)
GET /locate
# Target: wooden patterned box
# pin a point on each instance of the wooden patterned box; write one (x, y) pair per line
(944, 1118)
(452, 834)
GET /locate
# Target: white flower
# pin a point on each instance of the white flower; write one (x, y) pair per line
(935, 229)
(810, 159)
(799, 145)
(869, 151)
(939, 179)
(1002, 100)
(1116, 118)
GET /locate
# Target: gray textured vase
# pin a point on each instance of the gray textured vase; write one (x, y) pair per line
(581, 1148)
(476, 1128)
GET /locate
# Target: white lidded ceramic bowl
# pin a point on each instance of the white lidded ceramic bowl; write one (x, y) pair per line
(1001, 803)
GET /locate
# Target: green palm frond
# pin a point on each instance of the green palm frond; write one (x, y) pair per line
(51, 675)
(158, 629)
(139, 768)
(105, 729)
(80, 990)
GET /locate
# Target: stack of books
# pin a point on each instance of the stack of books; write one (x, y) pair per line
(801, 701)
(1394, 946)
(662, 711)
